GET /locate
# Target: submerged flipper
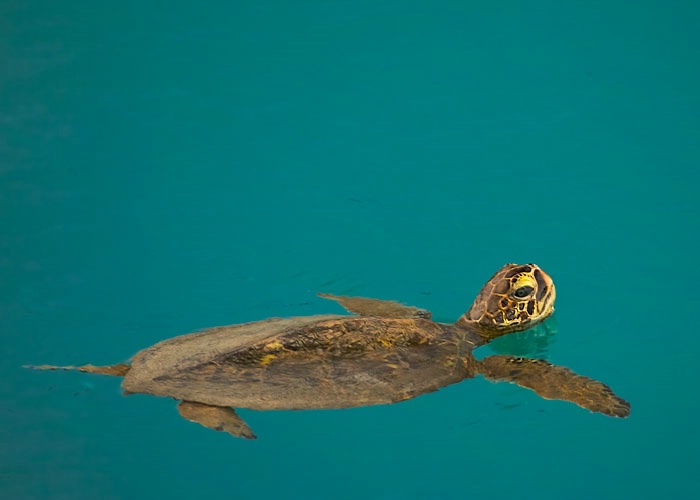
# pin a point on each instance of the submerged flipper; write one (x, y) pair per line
(377, 308)
(118, 370)
(218, 418)
(555, 382)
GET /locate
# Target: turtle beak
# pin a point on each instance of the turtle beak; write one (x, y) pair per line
(546, 293)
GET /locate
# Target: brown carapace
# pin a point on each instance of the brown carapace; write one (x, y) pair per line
(387, 353)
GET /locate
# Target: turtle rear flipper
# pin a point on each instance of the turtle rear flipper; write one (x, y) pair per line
(555, 382)
(218, 418)
(118, 370)
(377, 308)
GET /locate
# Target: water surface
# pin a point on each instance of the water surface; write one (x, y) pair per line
(173, 167)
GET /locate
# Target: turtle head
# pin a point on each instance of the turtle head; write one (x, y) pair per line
(514, 299)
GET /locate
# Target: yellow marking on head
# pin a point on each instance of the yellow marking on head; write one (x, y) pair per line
(267, 359)
(274, 346)
(524, 279)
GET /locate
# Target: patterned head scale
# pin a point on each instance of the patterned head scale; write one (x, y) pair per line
(515, 298)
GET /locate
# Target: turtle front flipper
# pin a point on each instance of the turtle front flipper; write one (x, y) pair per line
(555, 382)
(377, 308)
(218, 418)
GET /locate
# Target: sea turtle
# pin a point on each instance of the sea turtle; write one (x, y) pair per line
(387, 353)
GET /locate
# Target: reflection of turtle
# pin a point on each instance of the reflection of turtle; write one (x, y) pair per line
(388, 353)
(533, 343)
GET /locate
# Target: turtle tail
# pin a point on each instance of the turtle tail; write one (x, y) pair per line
(118, 370)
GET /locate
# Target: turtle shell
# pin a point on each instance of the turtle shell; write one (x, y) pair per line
(324, 361)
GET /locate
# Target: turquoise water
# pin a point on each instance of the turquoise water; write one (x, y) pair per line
(171, 167)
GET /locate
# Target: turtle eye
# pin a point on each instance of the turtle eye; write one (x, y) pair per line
(523, 292)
